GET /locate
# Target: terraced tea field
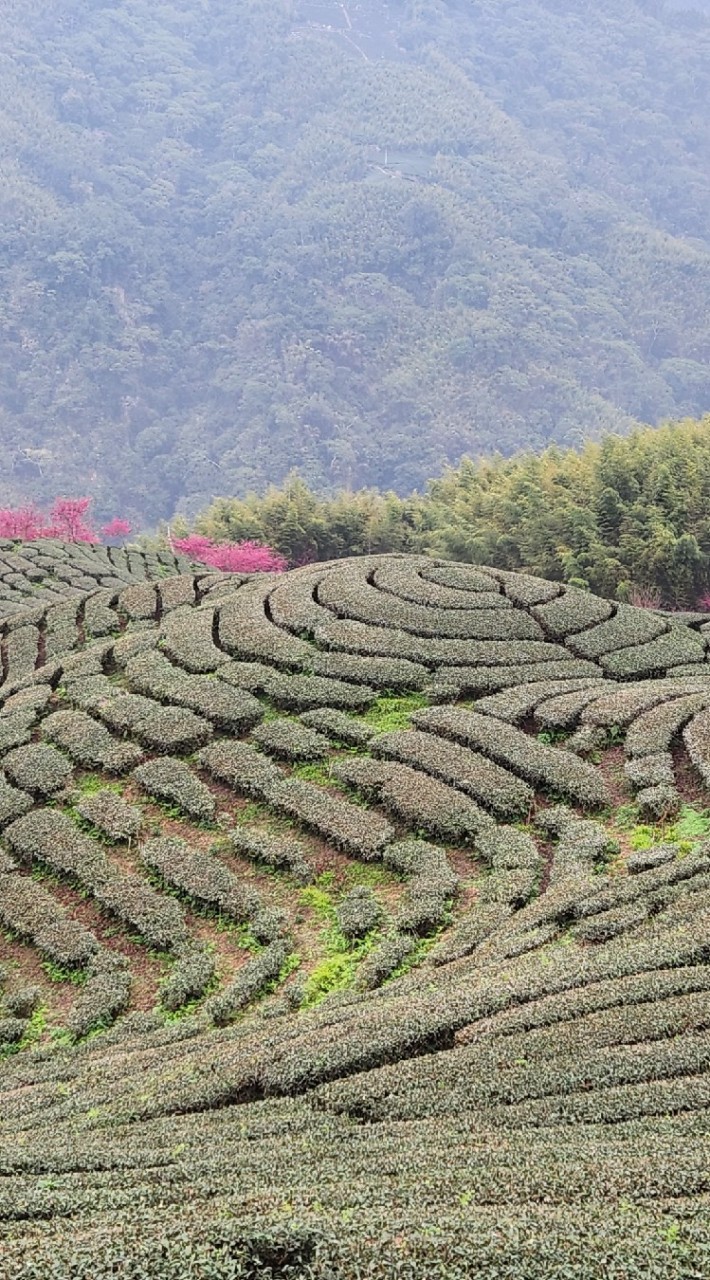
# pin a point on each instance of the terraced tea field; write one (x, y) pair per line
(353, 922)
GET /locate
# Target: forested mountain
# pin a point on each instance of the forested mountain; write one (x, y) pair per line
(358, 238)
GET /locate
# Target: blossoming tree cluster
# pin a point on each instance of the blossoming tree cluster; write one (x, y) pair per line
(68, 519)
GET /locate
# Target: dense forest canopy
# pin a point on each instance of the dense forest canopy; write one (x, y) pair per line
(360, 239)
(627, 517)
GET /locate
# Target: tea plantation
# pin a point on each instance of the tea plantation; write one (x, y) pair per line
(354, 922)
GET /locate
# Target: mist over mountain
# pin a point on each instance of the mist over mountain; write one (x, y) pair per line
(360, 239)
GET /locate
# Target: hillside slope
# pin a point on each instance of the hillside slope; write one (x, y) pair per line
(355, 238)
(355, 921)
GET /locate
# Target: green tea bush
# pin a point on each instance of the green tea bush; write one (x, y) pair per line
(173, 782)
(52, 839)
(358, 912)
(185, 636)
(242, 767)
(33, 913)
(38, 769)
(518, 702)
(338, 726)
(350, 596)
(290, 741)
(190, 977)
(199, 875)
(13, 802)
(679, 646)
(22, 1001)
(11, 1031)
(255, 975)
(571, 612)
(696, 737)
(104, 996)
(628, 629)
(384, 960)
(110, 813)
(559, 771)
(228, 708)
(401, 579)
(378, 673)
(655, 730)
(89, 743)
(470, 771)
(349, 827)
(651, 770)
(283, 853)
(658, 802)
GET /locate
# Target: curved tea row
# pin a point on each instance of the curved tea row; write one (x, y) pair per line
(371, 903)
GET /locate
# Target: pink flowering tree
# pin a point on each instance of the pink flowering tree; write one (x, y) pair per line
(230, 557)
(116, 529)
(68, 520)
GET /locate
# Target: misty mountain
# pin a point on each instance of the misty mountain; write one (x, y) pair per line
(360, 239)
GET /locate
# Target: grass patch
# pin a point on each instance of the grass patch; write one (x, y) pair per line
(393, 712)
(690, 826)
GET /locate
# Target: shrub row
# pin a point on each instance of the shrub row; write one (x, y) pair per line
(37, 768)
(384, 960)
(13, 803)
(338, 726)
(629, 628)
(658, 803)
(191, 975)
(291, 602)
(386, 642)
(139, 602)
(186, 636)
(242, 767)
(378, 673)
(571, 612)
(100, 615)
(483, 920)
(30, 911)
(89, 743)
(349, 595)
(349, 827)
(290, 741)
(476, 681)
(155, 726)
(470, 771)
(21, 648)
(51, 838)
(201, 876)
(403, 579)
(258, 973)
(556, 770)
(582, 844)
(563, 710)
(110, 814)
(680, 645)
(608, 924)
(225, 706)
(284, 853)
(297, 692)
(650, 770)
(173, 782)
(655, 730)
(105, 995)
(696, 736)
(358, 912)
(519, 701)
(432, 885)
(416, 798)
(245, 631)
